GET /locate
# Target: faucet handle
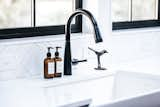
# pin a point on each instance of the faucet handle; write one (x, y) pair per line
(76, 61)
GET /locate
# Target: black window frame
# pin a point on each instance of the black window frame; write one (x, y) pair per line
(137, 24)
(24, 32)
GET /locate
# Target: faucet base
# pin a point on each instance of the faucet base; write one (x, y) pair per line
(100, 68)
(67, 59)
(68, 74)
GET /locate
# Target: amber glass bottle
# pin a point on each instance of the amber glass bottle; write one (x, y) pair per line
(58, 64)
(49, 65)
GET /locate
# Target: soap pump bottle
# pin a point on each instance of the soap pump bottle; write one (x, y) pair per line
(57, 64)
(49, 65)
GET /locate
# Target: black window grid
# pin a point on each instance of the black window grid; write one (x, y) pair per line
(10, 33)
(137, 24)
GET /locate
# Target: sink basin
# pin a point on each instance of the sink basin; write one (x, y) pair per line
(130, 89)
(84, 103)
(116, 89)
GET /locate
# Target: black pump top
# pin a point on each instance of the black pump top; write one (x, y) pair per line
(57, 53)
(49, 52)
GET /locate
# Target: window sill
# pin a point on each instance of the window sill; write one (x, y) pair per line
(41, 39)
(136, 30)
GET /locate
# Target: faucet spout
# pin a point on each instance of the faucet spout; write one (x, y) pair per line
(67, 53)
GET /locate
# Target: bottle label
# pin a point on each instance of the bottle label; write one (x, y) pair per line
(50, 68)
(59, 67)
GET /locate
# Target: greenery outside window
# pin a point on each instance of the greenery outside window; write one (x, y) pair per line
(135, 14)
(28, 18)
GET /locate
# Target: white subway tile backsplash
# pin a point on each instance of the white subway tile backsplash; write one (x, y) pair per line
(24, 59)
(21, 59)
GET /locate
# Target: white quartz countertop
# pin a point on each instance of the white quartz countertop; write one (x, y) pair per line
(80, 73)
(39, 92)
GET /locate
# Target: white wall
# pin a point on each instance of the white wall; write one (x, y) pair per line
(24, 57)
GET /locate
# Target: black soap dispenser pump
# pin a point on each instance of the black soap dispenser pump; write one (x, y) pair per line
(57, 53)
(49, 52)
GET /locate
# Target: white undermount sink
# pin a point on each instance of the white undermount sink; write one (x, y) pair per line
(130, 89)
(110, 89)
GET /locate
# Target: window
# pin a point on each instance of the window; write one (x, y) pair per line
(27, 18)
(135, 13)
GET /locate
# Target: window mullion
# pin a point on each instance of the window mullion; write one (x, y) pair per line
(33, 15)
(158, 9)
(130, 10)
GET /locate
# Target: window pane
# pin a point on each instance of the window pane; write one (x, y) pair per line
(15, 13)
(144, 9)
(53, 12)
(120, 10)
